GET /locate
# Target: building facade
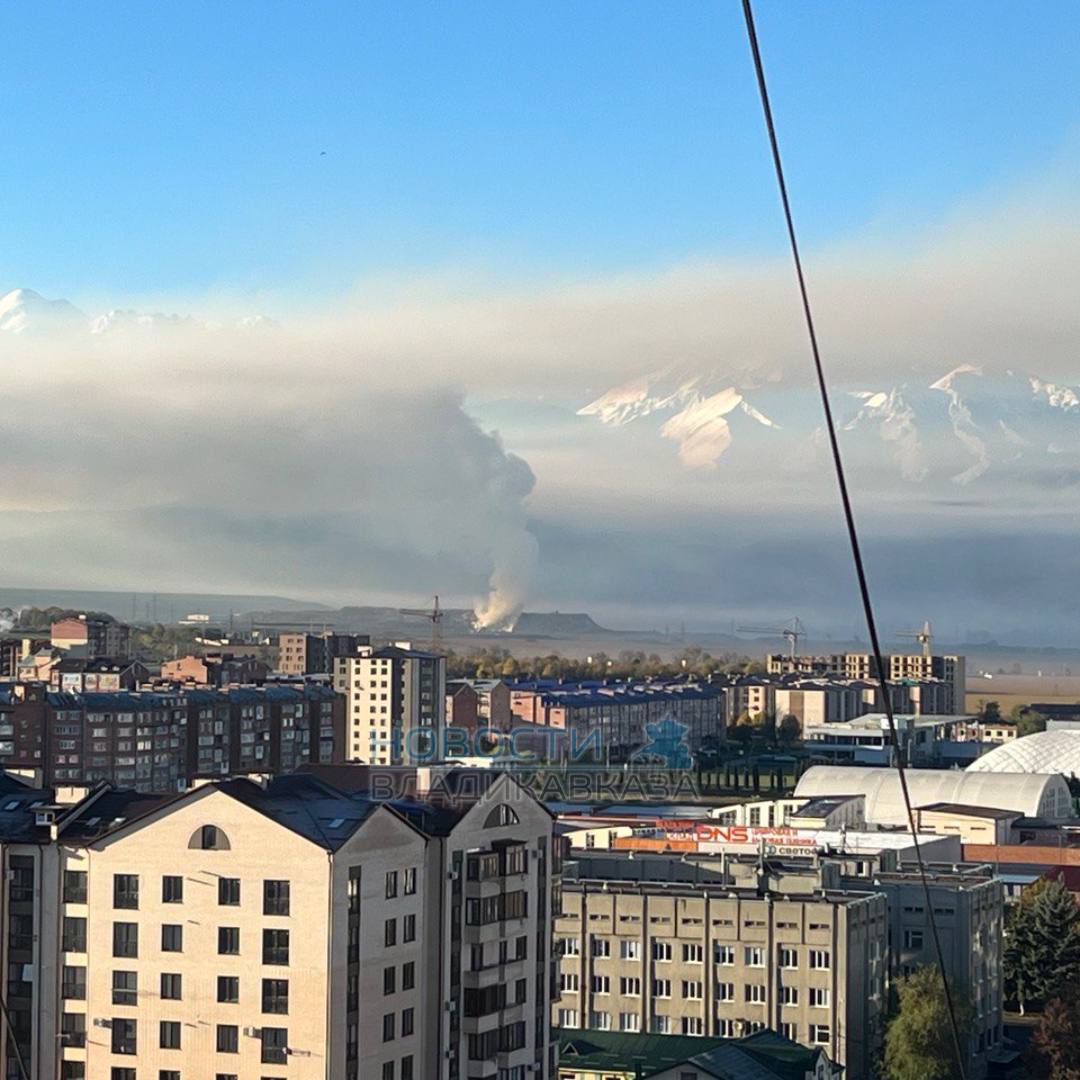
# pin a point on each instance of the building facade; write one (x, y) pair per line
(727, 958)
(314, 654)
(395, 702)
(291, 931)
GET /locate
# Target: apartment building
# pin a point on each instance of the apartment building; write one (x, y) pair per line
(314, 654)
(731, 953)
(163, 741)
(98, 637)
(817, 701)
(214, 669)
(77, 675)
(395, 700)
(286, 932)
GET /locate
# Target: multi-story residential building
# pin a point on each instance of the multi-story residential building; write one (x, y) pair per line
(617, 716)
(292, 930)
(917, 668)
(98, 637)
(99, 675)
(16, 648)
(395, 701)
(214, 669)
(462, 705)
(492, 702)
(163, 741)
(817, 701)
(749, 695)
(752, 948)
(314, 654)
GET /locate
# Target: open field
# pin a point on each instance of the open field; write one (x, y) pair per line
(1011, 690)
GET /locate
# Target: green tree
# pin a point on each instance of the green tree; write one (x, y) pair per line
(790, 729)
(1042, 946)
(1027, 720)
(919, 1042)
(989, 712)
(1057, 1038)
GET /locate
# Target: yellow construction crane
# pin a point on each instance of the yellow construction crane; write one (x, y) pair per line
(435, 617)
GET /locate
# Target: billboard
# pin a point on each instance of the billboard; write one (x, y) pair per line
(710, 838)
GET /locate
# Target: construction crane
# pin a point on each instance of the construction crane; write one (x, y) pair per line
(791, 633)
(435, 617)
(924, 636)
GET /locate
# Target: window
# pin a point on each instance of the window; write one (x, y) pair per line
(630, 985)
(407, 1022)
(276, 947)
(125, 939)
(692, 989)
(569, 946)
(629, 1021)
(169, 1035)
(74, 886)
(913, 939)
(600, 1021)
(629, 950)
(754, 993)
(819, 997)
(754, 956)
(275, 996)
(73, 1029)
(228, 989)
(117, 1072)
(661, 950)
(409, 889)
(569, 982)
(601, 984)
(73, 983)
(389, 981)
(407, 1068)
(390, 932)
(408, 975)
(693, 1025)
(228, 892)
(170, 986)
(228, 940)
(388, 1070)
(124, 1039)
(500, 817)
(693, 954)
(126, 891)
(388, 1021)
(74, 934)
(661, 988)
(408, 928)
(209, 838)
(228, 1039)
(601, 947)
(568, 1018)
(724, 954)
(391, 884)
(172, 889)
(660, 1025)
(274, 1043)
(789, 995)
(74, 1070)
(819, 959)
(275, 898)
(788, 958)
(125, 988)
(819, 1033)
(725, 991)
(172, 937)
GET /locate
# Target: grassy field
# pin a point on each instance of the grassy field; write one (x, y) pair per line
(1011, 690)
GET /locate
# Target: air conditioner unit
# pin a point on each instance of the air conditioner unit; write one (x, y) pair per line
(253, 1032)
(453, 875)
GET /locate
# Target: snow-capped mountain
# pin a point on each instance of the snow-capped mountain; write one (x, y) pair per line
(23, 311)
(968, 423)
(700, 425)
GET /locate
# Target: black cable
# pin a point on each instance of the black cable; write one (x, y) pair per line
(849, 520)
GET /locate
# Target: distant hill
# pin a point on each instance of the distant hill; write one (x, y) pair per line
(556, 624)
(148, 607)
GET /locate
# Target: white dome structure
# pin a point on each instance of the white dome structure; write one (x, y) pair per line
(1042, 752)
(1031, 794)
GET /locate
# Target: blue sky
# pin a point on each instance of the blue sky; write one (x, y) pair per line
(176, 150)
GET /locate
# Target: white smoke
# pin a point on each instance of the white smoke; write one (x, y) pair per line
(515, 566)
(170, 454)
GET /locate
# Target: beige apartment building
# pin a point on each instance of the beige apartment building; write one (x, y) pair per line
(395, 704)
(286, 932)
(768, 949)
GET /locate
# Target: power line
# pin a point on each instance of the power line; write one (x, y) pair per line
(849, 520)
